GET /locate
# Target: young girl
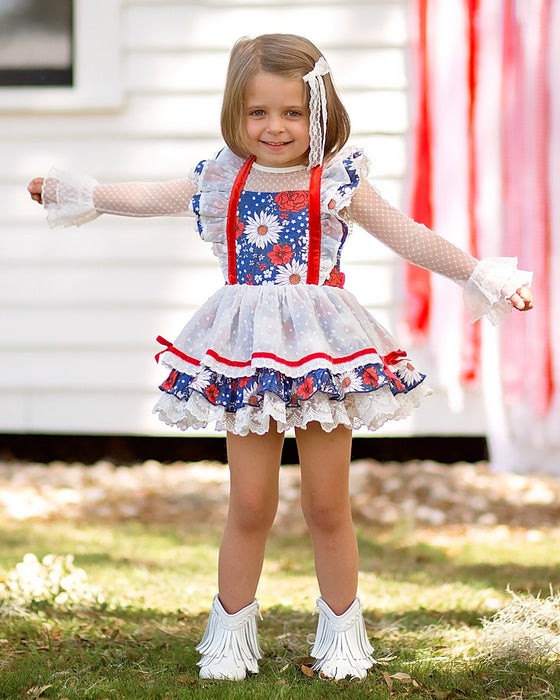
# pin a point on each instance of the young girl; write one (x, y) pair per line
(283, 345)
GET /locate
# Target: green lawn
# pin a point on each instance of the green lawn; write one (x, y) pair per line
(424, 595)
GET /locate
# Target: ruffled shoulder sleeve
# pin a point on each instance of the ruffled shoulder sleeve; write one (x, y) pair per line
(341, 177)
(214, 181)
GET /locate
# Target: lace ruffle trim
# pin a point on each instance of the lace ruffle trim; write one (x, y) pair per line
(356, 411)
(68, 198)
(488, 289)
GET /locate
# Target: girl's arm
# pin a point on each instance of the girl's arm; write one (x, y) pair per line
(488, 282)
(72, 199)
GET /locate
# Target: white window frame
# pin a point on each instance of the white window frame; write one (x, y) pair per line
(97, 69)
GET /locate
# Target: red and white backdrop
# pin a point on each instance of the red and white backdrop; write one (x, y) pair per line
(486, 175)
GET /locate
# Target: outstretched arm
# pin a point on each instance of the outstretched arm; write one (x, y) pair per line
(421, 246)
(75, 199)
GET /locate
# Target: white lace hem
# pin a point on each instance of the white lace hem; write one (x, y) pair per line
(369, 411)
(68, 198)
(488, 289)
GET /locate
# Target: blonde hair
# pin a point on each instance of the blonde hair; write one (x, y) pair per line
(286, 55)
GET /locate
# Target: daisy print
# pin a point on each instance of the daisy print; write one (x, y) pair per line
(303, 243)
(263, 229)
(250, 396)
(292, 273)
(349, 381)
(408, 374)
(202, 380)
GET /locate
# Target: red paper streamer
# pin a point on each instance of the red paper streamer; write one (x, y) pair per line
(418, 285)
(472, 342)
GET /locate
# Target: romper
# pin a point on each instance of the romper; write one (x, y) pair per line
(282, 339)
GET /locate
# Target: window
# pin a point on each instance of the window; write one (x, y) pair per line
(36, 40)
(59, 55)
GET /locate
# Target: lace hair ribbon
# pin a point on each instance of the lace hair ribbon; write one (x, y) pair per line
(317, 111)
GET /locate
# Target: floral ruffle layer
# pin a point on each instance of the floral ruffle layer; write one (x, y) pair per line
(248, 403)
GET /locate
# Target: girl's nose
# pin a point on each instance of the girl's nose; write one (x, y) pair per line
(275, 124)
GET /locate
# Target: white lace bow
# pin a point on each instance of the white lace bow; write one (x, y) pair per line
(317, 111)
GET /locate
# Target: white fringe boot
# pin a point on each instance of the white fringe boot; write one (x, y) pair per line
(229, 646)
(341, 646)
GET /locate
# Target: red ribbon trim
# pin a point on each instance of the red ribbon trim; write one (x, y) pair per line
(314, 254)
(231, 226)
(263, 355)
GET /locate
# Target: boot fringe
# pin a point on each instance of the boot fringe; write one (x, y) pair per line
(229, 646)
(341, 646)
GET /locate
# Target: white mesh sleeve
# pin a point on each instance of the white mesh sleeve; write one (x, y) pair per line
(487, 283)
(72, 199)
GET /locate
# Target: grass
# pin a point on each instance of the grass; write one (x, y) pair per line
(424, 594)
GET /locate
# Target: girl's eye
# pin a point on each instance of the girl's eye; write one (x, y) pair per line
(256, 112)
(294, 113)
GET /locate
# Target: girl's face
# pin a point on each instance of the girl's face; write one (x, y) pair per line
(277, 120)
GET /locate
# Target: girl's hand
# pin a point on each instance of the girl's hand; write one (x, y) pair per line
(522, 300)
(35, 189)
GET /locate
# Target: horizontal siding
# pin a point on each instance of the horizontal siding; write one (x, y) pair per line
(192, 26)
(80, 308)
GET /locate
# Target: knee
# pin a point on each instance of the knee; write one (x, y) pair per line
(253, 515)
(326, 517)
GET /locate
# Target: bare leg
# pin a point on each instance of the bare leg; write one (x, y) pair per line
(325, 500)
(254, 463)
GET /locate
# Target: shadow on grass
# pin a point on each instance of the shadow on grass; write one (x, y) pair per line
(425, 564)
(135, 545)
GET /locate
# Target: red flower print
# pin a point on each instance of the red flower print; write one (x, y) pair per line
(170, 382)
(239, 228)
(243, 381)
(212, 392)
(305, 389)
(291, 201)
(393, 358)
(370, 376)
(280, 255)
(336, 278)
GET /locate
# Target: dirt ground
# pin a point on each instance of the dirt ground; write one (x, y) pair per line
(417, 493)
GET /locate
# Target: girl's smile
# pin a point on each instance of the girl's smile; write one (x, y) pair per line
(277, 120)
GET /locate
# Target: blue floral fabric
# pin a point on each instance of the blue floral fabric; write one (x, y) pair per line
(234, 394)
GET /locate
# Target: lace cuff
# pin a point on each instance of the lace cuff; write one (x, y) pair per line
(68, 198)
(488, 289)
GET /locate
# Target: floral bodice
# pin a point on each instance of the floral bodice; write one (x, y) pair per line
(272, 240)
(272, 227)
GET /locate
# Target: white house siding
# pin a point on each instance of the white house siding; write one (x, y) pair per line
(80, 308)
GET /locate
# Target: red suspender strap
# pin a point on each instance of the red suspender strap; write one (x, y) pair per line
(238, 185)
(314, 256)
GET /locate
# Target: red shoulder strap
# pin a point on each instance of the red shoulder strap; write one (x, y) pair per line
(238, 185)
(314, 255)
